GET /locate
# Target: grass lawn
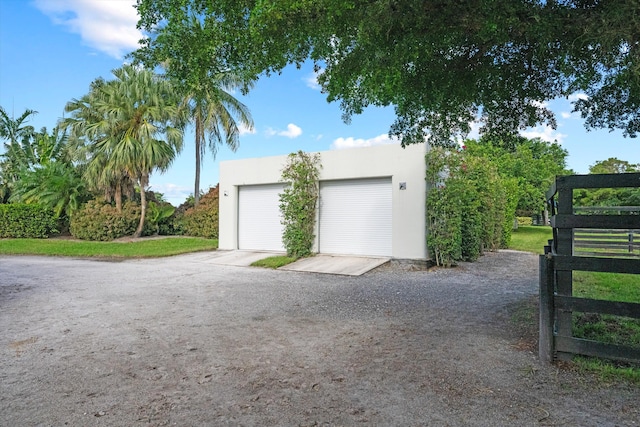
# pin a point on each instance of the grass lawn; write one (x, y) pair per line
(143, 248)
(603, 286)
(530, 238)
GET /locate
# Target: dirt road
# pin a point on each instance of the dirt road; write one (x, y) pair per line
(179, 341)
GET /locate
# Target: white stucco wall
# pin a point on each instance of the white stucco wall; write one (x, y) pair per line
(403, 165)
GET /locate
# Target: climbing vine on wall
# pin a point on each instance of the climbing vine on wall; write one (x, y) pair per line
(298, 202)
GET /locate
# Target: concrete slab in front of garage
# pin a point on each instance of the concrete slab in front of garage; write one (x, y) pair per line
(333, 264)
(238, 258)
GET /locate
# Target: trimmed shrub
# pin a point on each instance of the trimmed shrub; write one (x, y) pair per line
(202, 220)
(525, 220)
(469, 206)
(98, 220)
(26, 221)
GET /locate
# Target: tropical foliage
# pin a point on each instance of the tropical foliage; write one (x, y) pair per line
(132, 128)
(15, 133)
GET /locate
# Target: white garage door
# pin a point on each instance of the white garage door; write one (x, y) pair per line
(259, 226)
(355, 217)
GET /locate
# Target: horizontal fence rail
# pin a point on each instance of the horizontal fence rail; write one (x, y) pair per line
(606, 242)
(602, 239)
(609, 210)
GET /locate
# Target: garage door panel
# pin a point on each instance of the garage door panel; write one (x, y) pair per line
(355, 217)
(259, 217)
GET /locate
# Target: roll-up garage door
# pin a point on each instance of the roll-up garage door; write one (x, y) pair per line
(259, 226)
(355, 217)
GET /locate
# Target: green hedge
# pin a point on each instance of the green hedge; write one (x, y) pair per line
(26, 221)
(525, 220)
(470, 207)
(202, 220)
(98, 220)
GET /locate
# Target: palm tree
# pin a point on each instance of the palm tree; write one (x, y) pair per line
(112, 183)
(215, 114)
(56, 185)
(47, 174)
(130, 125)
(15, 132)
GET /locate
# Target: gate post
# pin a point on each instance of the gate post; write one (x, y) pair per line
(547, 309)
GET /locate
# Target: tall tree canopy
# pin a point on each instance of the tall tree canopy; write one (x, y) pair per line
(217, 116)
(532, 163)
(440, 63)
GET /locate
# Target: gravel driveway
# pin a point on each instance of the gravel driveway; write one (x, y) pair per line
(178, 341)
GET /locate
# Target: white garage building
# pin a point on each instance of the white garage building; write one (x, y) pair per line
(372, 202)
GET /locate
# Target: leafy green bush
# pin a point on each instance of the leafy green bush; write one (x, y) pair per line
(525, 220)
(298, 202)
(159, 217)
(201, 220)
(98, 220)
(26, 221)
(468, 206)
(444, 219)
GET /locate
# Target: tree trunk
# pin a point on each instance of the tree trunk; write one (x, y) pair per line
(118, 197)
(198, 132)
(144, 179)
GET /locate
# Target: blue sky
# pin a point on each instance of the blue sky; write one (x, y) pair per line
(51, 50)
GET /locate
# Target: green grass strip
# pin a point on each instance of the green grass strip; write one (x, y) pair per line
(274, 262)
(134, 249)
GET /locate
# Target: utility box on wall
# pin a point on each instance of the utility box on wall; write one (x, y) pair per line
(372, 202)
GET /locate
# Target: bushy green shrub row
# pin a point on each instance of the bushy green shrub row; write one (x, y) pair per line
(525, 220)
(202, 220)
(26, 221)
(470, 207)
(99, 220)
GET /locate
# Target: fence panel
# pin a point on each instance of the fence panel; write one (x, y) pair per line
(603, 239)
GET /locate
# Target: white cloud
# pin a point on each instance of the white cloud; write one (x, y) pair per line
(174, 194)
(108, 26)
(312, 80)
(565, 114)
(545, 133)
(474, 133)
(540, 104)
(576, 96)
(351, 142)
(292, 131)
(246, 131)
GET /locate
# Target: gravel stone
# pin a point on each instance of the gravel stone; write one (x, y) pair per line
(179, 341)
